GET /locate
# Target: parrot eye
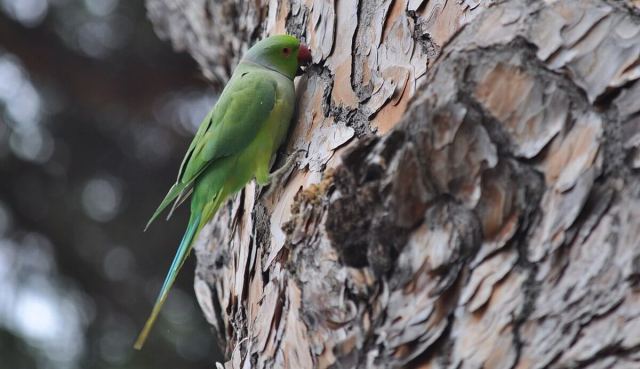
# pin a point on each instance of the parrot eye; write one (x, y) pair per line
(286, 51)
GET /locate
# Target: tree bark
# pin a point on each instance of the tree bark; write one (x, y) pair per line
(470, 197)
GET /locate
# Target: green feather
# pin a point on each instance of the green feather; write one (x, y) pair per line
(229, 128)
(175, 190)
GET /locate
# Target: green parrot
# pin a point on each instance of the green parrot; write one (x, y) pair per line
(235, 142)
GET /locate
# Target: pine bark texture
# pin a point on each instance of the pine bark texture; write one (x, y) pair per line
(470, 197)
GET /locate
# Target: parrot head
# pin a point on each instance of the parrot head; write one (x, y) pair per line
(282, 53)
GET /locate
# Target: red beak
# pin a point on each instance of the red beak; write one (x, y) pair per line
(304, 55)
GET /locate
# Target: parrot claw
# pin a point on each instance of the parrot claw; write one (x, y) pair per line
(277, 177)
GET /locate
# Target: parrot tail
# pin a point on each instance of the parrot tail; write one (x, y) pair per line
(178, 260)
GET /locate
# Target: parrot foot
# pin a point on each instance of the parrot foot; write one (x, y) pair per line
(277, 177)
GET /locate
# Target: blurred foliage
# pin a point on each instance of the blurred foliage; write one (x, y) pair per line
(95, 114)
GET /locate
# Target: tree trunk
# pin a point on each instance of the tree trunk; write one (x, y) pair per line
(470, 197)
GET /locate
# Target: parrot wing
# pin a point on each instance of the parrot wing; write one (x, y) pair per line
(233, 123)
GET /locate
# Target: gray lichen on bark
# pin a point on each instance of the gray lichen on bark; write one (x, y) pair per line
(470, 197)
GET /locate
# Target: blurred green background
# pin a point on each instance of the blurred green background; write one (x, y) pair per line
(95, 114)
